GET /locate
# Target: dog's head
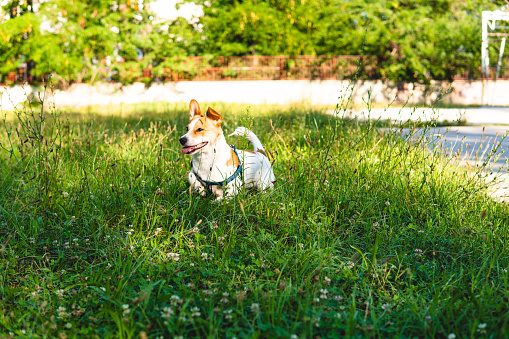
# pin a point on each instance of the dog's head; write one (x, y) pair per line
(203, 130)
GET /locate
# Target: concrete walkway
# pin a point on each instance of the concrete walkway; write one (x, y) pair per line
(487, 129)
(472, 116)
(481, 148)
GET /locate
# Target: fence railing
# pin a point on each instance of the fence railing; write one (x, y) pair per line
(233, 68)
(270, 68)
(201, 68)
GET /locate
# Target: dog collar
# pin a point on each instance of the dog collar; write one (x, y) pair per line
(209, 184)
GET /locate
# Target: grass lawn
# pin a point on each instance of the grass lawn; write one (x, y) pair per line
(364, 235)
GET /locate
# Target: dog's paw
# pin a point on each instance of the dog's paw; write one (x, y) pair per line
(240, 131)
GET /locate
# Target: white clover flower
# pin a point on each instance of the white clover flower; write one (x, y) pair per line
(481, 328)
(59, 293)
(190, 285)
(68, 325)
(294, 336)
(175, 300)
(386, 307)
(387, 203)
(323, 293)
(255, 308)
(102, 289)
(224, 300)
(326, 281)
(62, 313)
(126, 309)
(337, 315)
(204, 256)
(173, 256)
(195, 312)
(65, 194)
(338, 298)
(418, 252)
(451, 336)
(228, 314)
(251, 254)
(167, 312)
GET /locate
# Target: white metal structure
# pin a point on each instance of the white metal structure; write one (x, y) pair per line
(489, 29)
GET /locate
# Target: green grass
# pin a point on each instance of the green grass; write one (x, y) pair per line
(364, 235)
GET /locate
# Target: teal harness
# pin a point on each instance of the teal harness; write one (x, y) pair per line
(209, 184)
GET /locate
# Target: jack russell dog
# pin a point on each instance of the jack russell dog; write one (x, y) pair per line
(217, 168)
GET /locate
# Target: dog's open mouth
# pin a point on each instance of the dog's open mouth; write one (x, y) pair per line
(191, 149)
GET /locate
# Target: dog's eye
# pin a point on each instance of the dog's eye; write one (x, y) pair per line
(199, 130)
(187, 129)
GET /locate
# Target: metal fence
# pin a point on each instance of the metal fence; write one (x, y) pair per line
(271, 68)
(201, 68)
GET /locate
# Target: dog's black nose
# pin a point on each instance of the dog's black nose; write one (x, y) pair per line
(183, 140)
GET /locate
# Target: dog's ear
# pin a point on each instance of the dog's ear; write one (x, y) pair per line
(194, 109)
(213, 115)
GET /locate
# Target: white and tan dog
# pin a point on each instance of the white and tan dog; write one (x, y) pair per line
(217, 168)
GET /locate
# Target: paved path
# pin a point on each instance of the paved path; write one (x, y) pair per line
(472, 116)
(474, 143)
(490, 125)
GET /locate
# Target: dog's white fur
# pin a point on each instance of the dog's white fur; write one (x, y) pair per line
(216, 161)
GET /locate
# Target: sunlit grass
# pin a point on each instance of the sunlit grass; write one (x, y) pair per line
(364, 235)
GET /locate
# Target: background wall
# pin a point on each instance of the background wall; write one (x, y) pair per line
(324, 92)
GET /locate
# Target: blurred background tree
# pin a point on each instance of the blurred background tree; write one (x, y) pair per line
(87, 40)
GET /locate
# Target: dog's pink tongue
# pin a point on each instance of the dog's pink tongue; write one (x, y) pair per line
(186, 150)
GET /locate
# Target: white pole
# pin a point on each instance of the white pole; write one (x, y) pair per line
(484, 45)
(502, 47)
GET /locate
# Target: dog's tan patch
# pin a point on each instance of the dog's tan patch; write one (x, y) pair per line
(234, 159)
(202, 127)
(261, 152)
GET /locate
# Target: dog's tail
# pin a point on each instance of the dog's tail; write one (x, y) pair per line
(250, 136)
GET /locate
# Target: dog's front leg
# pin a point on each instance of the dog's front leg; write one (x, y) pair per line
(231, 190)
(196, 185)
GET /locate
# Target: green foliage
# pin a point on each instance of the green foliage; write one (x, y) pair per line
(259, 27)
(413, 40)
(90, 40)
